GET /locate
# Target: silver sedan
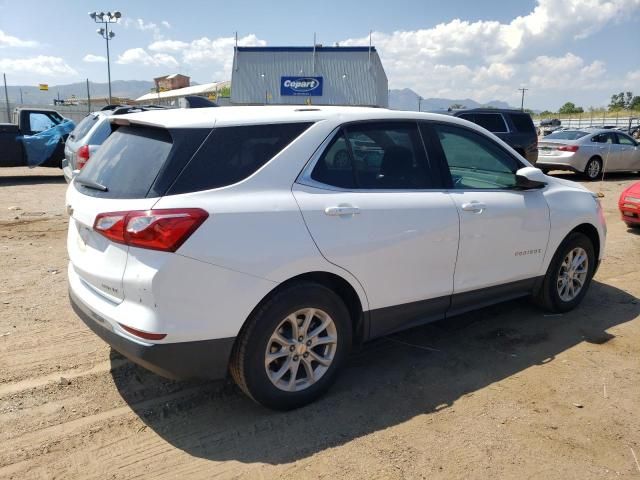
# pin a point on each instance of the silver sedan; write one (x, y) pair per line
(589, 151)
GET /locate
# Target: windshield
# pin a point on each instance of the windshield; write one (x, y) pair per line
(567, 135)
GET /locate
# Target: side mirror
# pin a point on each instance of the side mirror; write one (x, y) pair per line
(529, 178)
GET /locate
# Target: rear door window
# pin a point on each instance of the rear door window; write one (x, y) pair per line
(607, 137)
(334, 166)
(375, 156)
(231, 154)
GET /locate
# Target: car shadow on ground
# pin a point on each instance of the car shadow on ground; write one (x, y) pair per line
(387, 382)
(12, 181)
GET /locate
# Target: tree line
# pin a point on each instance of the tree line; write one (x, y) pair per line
(619, 101)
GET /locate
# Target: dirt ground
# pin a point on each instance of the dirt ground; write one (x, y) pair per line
(506, 392)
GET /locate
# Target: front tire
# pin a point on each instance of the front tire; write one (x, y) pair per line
(292, 347)
(593, 169)
(569, 274)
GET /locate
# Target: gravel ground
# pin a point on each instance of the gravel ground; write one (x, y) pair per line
(505, 392)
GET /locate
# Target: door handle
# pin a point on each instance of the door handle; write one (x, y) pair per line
(476, 207)
(341, 211)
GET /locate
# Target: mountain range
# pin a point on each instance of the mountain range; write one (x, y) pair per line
(407, 99)
(119, 88)
(402, 99)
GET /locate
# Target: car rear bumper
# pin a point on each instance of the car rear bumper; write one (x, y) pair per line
(66, 170)
(199, 359)
(550, 164)
(630, 215)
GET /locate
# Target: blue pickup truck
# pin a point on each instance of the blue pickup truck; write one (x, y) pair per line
(36, 138)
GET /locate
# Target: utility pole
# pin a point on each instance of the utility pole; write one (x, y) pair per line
(88, 97)
(522, 102)
(420, 103)
(6, 97)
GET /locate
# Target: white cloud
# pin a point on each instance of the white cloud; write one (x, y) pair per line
(142, 25)
(91, 58)
(632, 79)
(40, 65)
(140, 56)
(168, 46)
(145, 26)
(548, 72)
(7, 40)
(488, 59)
(216, 54)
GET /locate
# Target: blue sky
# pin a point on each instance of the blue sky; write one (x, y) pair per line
(560, 49)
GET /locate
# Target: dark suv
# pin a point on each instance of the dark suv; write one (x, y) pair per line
(513, 126)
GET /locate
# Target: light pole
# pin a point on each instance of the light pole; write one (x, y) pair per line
(107, 34)
(420, 103)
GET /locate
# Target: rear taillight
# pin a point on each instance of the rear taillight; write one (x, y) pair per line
(82, 156)
(162, 230)
(568, 148)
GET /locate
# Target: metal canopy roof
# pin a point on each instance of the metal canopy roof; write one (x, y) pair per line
(181, 92)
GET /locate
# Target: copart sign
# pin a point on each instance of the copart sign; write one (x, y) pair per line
(301, 86)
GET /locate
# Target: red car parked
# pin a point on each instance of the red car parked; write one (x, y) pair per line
(629, 205)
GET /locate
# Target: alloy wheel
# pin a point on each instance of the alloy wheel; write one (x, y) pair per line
(301, 349)
(572, 274)
(593, 169)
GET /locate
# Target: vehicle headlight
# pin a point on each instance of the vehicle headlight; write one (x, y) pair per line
(632, 199)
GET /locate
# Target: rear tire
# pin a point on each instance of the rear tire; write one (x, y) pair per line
(269, 350)
(593, 169)
(556, 294)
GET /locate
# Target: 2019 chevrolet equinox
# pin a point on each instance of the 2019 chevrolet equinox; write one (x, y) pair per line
(266, 241)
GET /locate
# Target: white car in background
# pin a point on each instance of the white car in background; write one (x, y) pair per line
(264, 242)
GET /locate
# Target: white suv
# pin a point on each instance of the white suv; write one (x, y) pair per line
(265, 241)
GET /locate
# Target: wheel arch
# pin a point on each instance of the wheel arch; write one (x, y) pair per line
(595, 157)
(591, 233)
(342, 287)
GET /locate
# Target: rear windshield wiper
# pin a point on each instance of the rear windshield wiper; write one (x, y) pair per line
(92, 185)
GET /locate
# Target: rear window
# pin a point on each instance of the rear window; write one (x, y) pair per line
(231, 154)
(127, 163)
(523, 123)
(567, 135)
(84, 126)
